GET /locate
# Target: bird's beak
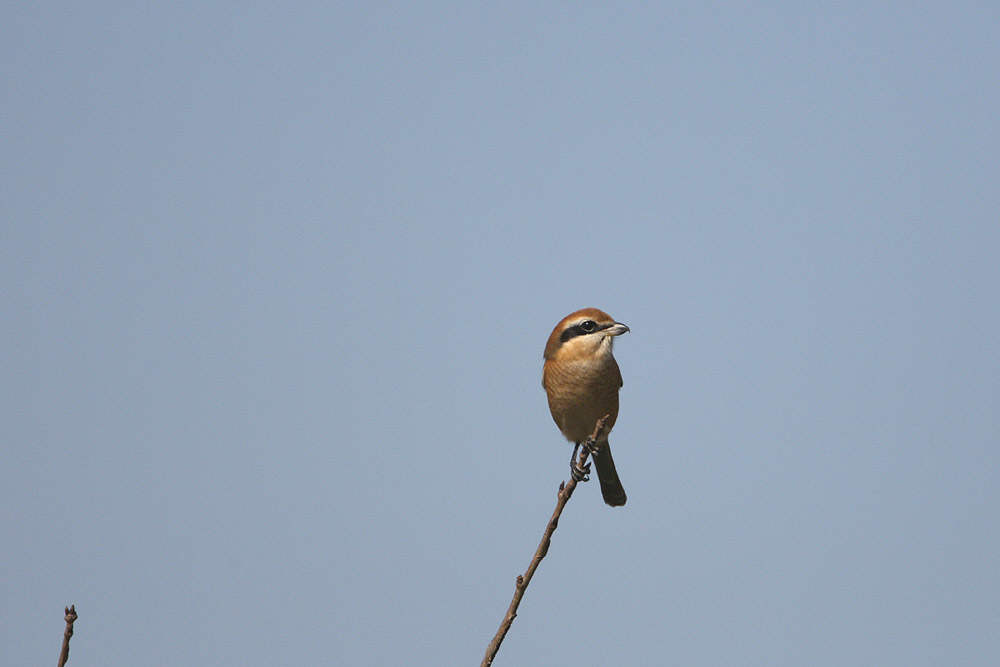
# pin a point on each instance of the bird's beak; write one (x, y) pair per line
(616, 329)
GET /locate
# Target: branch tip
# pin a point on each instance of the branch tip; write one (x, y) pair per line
(70, 616)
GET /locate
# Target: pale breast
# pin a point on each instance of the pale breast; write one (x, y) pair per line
(580, 392)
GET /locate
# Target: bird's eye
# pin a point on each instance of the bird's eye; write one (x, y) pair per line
(588, 326)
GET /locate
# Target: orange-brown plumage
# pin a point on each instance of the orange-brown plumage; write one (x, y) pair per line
(582, 379)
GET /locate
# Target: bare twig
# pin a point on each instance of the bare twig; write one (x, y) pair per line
(565, 492)
(70, 620)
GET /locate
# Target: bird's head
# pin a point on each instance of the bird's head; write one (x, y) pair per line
(587, 333)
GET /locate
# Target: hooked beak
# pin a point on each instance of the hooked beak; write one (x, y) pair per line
(616, 329)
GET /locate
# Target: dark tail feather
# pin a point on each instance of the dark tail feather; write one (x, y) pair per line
(611, 486)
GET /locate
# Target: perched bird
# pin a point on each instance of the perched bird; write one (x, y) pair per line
(582, 380)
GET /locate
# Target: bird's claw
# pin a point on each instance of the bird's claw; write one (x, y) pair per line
(580, 473)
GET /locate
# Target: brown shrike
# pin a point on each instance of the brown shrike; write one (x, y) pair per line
(582, 380)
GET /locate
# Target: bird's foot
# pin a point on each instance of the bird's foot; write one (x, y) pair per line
(578, 472)
(592, 447)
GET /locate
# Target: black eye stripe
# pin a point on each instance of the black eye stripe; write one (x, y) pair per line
(570, 333)
(582, 329)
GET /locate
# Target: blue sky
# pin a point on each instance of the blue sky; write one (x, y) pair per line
(277, 282)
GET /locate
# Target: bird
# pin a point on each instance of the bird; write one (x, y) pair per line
(581, 379)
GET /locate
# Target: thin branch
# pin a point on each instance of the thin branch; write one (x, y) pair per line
(565, 492)
(70, 620)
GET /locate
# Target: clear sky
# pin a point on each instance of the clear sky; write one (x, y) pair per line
(276, 282)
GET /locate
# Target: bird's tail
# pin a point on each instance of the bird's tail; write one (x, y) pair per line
(611, 486)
